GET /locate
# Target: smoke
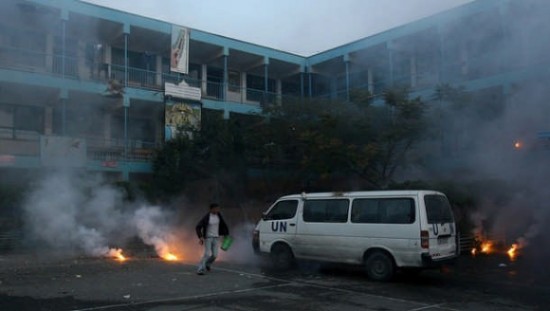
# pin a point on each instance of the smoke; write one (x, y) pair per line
(77, 214)
(69, 212)
(153, 228)
(241, 250)
(59, 213)
(491, 135)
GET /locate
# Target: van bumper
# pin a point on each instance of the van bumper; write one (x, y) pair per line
(429, 262)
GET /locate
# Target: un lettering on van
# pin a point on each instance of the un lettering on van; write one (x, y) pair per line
(278, 226)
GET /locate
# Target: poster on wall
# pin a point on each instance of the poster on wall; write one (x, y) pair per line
(181, 118)
(179, 56)
(62, 151)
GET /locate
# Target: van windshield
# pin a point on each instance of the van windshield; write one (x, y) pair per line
(438, 209)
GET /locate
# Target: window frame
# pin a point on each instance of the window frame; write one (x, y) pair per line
(383, 219)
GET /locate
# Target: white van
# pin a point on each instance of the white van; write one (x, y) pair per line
(384, 230)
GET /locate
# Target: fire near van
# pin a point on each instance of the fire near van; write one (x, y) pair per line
(382, 230)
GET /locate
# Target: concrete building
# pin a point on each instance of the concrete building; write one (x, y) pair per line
(89, 87)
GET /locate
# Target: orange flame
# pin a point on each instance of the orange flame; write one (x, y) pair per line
(168, 256)
(487, 247)
(512, 252)
(116, 253)
(473, 251)
(518, 144)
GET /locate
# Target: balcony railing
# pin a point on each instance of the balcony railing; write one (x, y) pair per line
(22, 142)
(70, 67)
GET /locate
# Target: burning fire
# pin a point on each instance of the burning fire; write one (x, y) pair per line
(116, 253)
(485, 247)
(512, 252)
(169, 257)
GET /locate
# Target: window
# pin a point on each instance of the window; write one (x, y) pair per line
(438, 209)
(283, 210)
(383, 211)
(6, 116)
(234, 81)
(330, 210)
(29, 118)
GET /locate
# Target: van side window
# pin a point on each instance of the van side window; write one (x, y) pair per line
(383, 211)
(283, 210)
(334, 210)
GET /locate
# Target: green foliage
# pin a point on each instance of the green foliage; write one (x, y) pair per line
(320, 140)
(310, 142)
(219, 146)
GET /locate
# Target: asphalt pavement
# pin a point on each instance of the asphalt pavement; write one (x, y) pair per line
(34, 282)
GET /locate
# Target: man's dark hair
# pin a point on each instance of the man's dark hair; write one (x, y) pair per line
(214, 205)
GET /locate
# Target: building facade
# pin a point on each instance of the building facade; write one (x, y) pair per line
(94, 88)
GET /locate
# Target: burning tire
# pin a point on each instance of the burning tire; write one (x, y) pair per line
(282, 257)
(379, 266)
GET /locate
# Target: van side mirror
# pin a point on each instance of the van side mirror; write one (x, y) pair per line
(265, 216)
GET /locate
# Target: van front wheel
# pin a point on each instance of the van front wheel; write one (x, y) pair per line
(281, 257)
(379, 266)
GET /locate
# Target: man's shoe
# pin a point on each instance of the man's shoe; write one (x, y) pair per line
(207, 268)
(200, 272)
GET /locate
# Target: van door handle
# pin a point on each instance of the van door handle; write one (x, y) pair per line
(292, 225)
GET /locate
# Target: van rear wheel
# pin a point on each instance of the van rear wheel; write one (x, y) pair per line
(282, 257)
(379, 266)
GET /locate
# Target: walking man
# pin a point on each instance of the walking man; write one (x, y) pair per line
(209, 229)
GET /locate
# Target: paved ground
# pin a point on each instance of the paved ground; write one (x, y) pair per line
(32, 283)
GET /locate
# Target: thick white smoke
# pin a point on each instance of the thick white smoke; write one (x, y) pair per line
(83, 215)
(152, 227)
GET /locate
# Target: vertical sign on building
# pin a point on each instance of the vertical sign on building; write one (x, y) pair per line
(179, 56)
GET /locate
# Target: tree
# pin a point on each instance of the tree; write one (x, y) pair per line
(398, 124)
(326, 140)
(308, 144)
(214, 150)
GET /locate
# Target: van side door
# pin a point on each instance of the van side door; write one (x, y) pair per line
(322, 229)
(279, 224)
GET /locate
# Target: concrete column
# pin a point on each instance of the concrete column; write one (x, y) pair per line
(126, 105)
(126, 35)
(204, 75)
(266, 79)
(64, 19)
(389, 47)
(158, 70)
(243, 87)
(441, 57)
(463, 57)
(48, 120)
(302, 86)
(279, 91)
(310, 80)
(108, 60)
(346, 62)
(370, 80)
(225, 73)
(225, 79)
(63, 97)
(414, 80)
(107, 128)
(49, 51)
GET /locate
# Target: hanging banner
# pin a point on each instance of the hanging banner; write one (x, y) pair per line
(181, 118)
(179, 56)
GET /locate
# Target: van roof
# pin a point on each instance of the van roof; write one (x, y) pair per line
(353, 194)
